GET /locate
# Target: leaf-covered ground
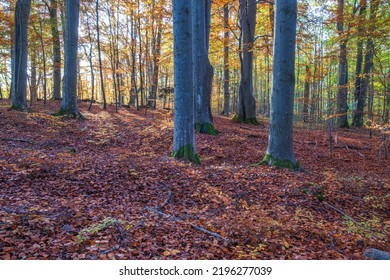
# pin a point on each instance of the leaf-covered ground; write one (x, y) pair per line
(107, 188)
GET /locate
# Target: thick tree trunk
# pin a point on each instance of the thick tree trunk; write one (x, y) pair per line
(280, 150)
(19, 73)
(246, 101)
(69, 94)
(203, 71)
(184, 131)
(56, 50)
(361, 95)
(342, 94)
(226, 72)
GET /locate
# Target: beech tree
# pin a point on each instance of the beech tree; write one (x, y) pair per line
(184, 132)
(246, 101)
(19, 63)
(342, 93)
(280, 150)
(69, 94)
(203, 71)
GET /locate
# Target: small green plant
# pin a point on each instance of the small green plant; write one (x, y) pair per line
(95, 228)
(314, 190)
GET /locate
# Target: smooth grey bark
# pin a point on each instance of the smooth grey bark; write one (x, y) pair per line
(361, 94)
(202, 70)
(226, 72)
(280, 150)
(19, 71)
(69, 94)
(184, 145)
(56, 50)
(342, 93)
(246, 101)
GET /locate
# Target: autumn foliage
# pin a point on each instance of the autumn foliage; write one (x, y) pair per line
(107, 188)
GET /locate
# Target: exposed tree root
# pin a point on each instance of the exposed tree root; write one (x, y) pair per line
(252, 121)
(69, 113)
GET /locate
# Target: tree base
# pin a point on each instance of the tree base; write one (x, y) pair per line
(206, 128)
(20, 108)
(186, 152)
(68, 113)
(281, 163)
(253, 121)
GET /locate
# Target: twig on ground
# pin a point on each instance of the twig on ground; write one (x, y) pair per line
(192, 225)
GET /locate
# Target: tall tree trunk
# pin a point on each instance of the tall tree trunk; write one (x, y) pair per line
(226, 72)
(184, 132)
(33, 79)
(90, 60)
(100, 57)
(280, 150)
(43, 61)
(156, 51)
(69, 87)
(19, 73)
(56, 50)
(203, 71)
(306, 95)
(342, 93)
(246, 101)
(361, 95)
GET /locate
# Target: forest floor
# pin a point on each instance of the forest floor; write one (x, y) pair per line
(107, 188)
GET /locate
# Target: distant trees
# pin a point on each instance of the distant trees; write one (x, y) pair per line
(280, 150)
(19, 63)
(184, 145)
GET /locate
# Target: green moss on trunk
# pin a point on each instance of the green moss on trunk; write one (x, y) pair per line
(206, 128)
(271, 161)
(67, 113)
(186, 152)
(253, 121)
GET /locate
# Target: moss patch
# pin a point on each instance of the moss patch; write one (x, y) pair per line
(206, 128)
(253, 121)
(281, 163)
(187, 152)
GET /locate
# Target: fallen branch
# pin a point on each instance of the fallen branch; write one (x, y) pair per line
(158, 212)
(351, 147)
(209, 232)
(17, 140)
(339, 211)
